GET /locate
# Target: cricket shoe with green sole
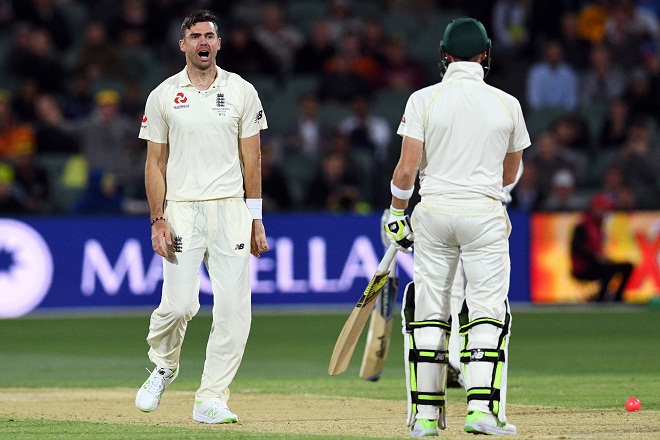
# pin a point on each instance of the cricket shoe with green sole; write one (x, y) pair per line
(477, 422)
(213, 412)
(424, 428)
(149, 394)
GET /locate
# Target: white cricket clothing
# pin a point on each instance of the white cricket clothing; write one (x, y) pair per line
(467, 128)
(202, 129)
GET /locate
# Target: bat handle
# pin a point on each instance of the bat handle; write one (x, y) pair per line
(387, 259)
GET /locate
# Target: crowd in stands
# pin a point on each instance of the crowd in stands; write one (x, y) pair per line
(334, 77)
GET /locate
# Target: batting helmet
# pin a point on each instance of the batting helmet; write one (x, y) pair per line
(465, 37)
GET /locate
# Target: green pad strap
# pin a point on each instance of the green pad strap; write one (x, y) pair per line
(421, 398)
(429, 356)
(482, 355)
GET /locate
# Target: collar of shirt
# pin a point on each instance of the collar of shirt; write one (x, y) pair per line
(220, 78)
(464, 69)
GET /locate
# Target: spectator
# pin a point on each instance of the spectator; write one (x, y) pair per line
(511, 27)
(45, 14)
(526, 195)
(365, 130)
(78, 101)
(23, 100)
(34, 57)
(552, 82)
(275, 188)
(588, 259)
(641, 99)
(312, 56)
(400, 71)
(342, 19)
(638, 161)
(129, 28)
(280, 39)
(31, 181)
(576, 48)
(374, 40)
(9, 201)
(615, 187)
(626, 30)
(548, 158)
(604, 80)
(572, 133)
(335, 188)
(14, 135)
(243, 54)
(102, 195)
(363, 64)
(341, 84)
(51, 137)
(615, 127)
(308, 133)
(562, 196)
(98, 57)
(592, 20)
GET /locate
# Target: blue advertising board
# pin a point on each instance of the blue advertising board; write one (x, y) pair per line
(52, 263)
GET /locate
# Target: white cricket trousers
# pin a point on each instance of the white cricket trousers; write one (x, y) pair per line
(476, 231)
(216, 232)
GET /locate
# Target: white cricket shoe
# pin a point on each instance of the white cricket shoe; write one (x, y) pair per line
(424, 428)
(213, 412)
(148, 396)
(478, 422)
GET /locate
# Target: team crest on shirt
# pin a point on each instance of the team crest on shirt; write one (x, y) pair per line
(220, 104)
(180, 101)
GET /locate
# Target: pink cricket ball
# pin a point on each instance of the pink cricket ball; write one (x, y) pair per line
(633, 404)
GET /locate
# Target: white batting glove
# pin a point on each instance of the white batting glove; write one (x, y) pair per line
(399, 231)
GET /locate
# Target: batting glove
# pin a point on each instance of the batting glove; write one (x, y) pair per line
(399, 231)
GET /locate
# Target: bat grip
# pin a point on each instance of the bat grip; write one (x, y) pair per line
(384, 264)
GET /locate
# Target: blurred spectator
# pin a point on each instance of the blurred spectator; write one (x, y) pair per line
(342, 84)
(31, 181)
(14, 135)
(588, 259)
(604, 80)
(592, 20)
(247, 11)
(132, 102)
(280, 39)
(243, 54)
(9, 201)
(548, 158)
(308, 133)
(639, 97)
(511, 19)
(639, 161)
(78, 101)
(50, 135)
(552, 82)
(576, 48)
(627, 28)
(129, 28)
(342, 20)
(335, 187)
(105, 135)
(400, 71)
(23, 100)
(526, 195)
(45, 14)
(615, 126)
(571, 132)
(361, 63)
(562, 196)
(102, 195)
(275, 188)
(374, 40)
(615, 187)
(365, 130)
(34, 57)
(312, 56)
(98, 57)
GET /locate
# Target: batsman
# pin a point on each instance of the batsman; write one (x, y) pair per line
(467, 139)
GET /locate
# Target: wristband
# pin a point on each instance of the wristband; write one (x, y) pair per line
(254, 205)
(396, 214)
(402, 194)
(155, 219)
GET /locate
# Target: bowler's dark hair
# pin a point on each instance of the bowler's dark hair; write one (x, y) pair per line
(199, 16)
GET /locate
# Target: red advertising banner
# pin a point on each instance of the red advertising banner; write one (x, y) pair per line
(633, 237)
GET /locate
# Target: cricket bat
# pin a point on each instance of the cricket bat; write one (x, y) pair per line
(347, 340)
(380, 329)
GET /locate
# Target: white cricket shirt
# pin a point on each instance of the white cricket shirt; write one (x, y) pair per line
(467, 128)
(202, 129)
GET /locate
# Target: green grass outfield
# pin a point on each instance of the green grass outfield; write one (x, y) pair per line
(563, 357)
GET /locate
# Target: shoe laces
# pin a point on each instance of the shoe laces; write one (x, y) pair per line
(156, 382)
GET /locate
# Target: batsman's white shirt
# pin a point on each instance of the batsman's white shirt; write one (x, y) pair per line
(202, 129)
(454, 162)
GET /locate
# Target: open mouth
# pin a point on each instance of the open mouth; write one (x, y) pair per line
(203, 55)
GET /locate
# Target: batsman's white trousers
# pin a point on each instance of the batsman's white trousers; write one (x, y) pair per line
(218, 233)
(476, 232)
